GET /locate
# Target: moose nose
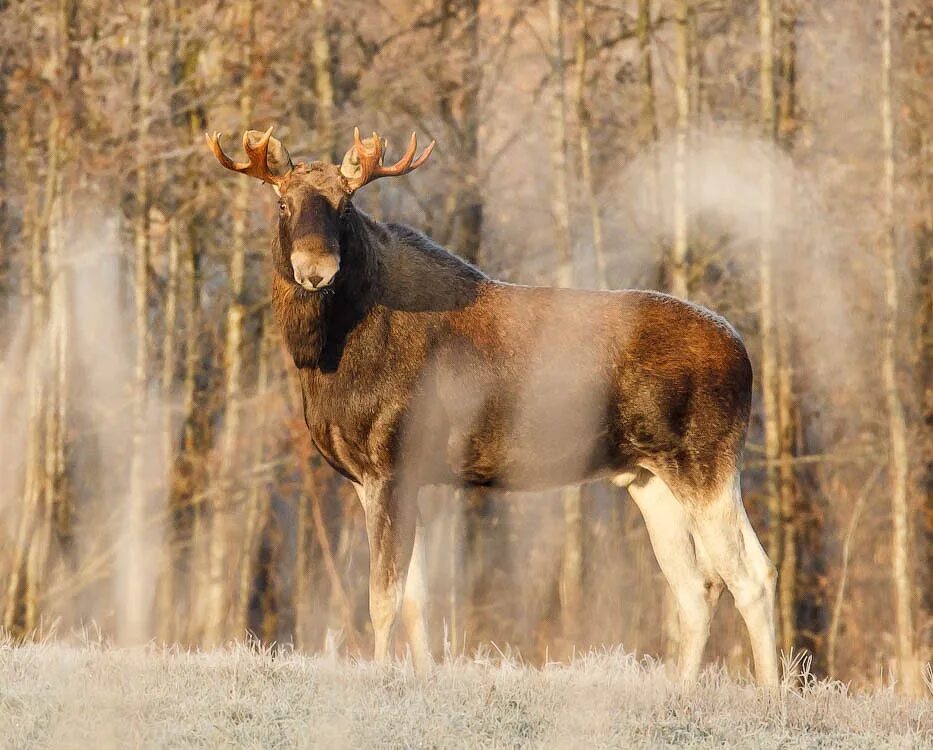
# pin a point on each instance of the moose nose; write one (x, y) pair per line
(308, 278)
(313, 272)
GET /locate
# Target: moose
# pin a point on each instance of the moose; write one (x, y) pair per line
(417, 368)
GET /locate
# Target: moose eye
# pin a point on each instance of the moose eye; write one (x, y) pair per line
(282, 207)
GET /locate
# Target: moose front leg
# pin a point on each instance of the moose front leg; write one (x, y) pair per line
(390, 525)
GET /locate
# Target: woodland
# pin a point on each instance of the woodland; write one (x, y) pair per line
(770, 160)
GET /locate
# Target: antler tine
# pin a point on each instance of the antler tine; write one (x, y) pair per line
(402, 165)
(370, 158)
(258, 164)
(258, 152)
(258, 156)
(424, 154)
(213, 141)
(405, 164)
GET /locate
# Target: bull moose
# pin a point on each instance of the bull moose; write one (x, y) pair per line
(417, 368)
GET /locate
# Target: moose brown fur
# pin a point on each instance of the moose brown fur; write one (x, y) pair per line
(416, 368)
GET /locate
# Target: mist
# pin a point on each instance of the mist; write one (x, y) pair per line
(186, 504)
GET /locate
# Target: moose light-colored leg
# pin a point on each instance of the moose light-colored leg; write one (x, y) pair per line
(390, 526)
(737, 555)
(685, 565)
(414, 606)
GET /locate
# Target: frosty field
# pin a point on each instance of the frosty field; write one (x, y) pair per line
(55, 695)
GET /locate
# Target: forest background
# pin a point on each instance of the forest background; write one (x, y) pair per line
(768, 159)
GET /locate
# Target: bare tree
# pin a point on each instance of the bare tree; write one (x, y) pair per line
(19, 616)
(133, 616)
(572, 561)
(220, 551)
(897, 427)
(324, 94)
(679, 273)
(585, 145)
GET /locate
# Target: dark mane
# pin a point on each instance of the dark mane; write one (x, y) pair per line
(411, 271)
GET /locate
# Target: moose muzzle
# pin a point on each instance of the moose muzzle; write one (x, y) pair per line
(314, 271)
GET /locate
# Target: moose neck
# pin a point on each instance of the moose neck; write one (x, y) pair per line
(315, 324)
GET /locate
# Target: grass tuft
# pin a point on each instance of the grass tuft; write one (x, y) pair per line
(92, 695)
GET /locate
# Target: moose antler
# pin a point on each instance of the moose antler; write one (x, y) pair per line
(368, 166)
(258, 153)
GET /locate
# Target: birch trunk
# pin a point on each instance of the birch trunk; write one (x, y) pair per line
(324, 96)
(167, 592)
(908, 664)
(570, 584)
(15, 609)
(165, 600)
(479, 515)
(782, 132)
(189, 476)
(193, 432)
(586, 156)
(679, 282)
(51, 419)
(769, 364)
(5, 71)
(787, 101)
(471, 209)
(257, 502)
(776, 375)
(132, 594)
(679, 270)
(220, 553)
(302, 584)
(648, 118)
(52, 539)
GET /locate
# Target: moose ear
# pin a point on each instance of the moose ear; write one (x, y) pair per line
(277, 157)
(350, 166)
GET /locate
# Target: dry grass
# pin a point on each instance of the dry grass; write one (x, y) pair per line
(54, 695)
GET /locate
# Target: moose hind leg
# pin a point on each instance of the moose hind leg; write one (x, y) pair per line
(414, 606)
(694, 585)
(737, 554)
(390, 526)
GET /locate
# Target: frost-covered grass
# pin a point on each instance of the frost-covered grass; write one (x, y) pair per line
(54, 695)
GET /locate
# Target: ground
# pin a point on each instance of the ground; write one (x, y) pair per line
(55, 695)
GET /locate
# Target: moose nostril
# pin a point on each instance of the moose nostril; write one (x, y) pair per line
(315, 279)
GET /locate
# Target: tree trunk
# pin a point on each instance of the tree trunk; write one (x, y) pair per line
(470, 209)
(586, 157)
(648, 118)
(220, 554)
(301, 597)
(324, 97)
(678, 276)
(165, 599)
(16, 607)
(776, 374)
(46, 494)
(167, 592)
(787, 102)
(5, 57)
(257, 502)
(188, 474)
(133, 599)
(782, 131)
(679, 281)
(897, 427)
(769, 364)
(570, 585)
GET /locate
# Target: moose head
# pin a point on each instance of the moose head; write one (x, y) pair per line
(313, 196)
